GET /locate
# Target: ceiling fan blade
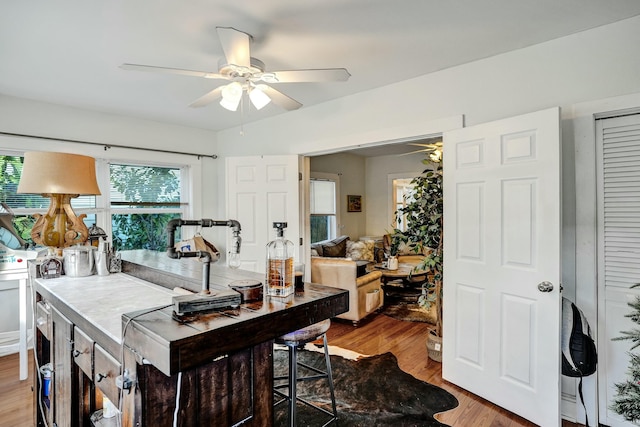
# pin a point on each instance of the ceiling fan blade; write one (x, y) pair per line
(165, 70)
(208, 98)
(415, 152)
(280, 99)
(304, 76)
(236, 46)
(432, 145)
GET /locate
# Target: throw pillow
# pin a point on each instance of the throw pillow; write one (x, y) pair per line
(360, 250)
(336, 248)
(317, 247)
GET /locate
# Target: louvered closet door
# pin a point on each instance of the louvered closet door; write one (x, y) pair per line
(619, 250)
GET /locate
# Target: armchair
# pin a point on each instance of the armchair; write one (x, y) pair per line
(365, 293)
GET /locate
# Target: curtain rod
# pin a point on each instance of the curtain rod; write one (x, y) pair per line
(108, 146)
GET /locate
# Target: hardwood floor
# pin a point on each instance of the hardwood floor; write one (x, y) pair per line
(16, 397)
(406, 340)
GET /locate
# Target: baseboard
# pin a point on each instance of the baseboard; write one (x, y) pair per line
(568, 407)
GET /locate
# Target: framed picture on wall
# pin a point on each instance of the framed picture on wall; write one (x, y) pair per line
(354, 203)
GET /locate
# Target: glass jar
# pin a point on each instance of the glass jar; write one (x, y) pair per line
(280, 277)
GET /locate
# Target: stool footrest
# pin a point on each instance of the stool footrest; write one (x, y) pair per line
(285, 398)
(292, 379)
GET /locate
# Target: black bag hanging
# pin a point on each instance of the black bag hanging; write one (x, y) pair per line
(579, 355)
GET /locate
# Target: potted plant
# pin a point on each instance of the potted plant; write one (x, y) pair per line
(627, 399)
(423, 234)
(392, 258)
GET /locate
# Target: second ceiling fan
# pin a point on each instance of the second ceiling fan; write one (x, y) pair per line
(247, 74)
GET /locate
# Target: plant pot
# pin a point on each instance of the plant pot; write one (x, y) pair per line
(392, 263)
(434, 346)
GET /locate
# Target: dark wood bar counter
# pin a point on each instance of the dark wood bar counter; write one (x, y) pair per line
(117, 336)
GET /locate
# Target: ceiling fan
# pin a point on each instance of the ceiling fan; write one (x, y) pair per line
(247, 74)
(431, 149)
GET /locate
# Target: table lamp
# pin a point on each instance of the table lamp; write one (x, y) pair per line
(61, 177)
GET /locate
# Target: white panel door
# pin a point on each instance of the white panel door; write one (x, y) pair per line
(501, 337)
(262, 190)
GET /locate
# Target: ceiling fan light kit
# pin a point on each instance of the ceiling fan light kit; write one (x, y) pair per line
(231, 96)
(259, 99)
(247, 74)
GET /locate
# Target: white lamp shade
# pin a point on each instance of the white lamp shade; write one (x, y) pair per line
(231, 96)
(258, 98)
(58, 173)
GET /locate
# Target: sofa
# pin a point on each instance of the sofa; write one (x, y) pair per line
(330, 266)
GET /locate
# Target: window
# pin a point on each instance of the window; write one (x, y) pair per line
(324, 198)
(18, 209)
(403, 191)
(141, 199)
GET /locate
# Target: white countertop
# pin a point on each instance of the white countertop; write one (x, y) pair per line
(102, 300)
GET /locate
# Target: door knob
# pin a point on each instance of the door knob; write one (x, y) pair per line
(545, 286)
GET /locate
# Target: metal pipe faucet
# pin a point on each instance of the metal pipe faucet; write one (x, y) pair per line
(234, 253)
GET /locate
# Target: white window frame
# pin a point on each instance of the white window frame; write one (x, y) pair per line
(103, 210)
(402, 189)
(391, 192)
(322, 176)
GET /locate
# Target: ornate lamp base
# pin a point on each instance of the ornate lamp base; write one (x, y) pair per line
(60, 227)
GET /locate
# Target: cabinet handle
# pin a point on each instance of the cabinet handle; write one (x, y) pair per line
(76, 353)
(100, 377)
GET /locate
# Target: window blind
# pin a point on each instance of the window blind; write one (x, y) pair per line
(144, 186)
(322, 197)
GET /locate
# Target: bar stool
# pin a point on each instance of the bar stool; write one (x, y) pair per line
(293, 341)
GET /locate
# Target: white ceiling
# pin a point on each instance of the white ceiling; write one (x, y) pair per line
(68, 51)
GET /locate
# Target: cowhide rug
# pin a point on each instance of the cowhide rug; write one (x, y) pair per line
(370, 391)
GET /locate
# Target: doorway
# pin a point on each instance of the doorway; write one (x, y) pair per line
(366, 172)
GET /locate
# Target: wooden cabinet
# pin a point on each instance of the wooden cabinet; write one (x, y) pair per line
(214, 369)
(59, 409)
(62, 377)
(231, 389)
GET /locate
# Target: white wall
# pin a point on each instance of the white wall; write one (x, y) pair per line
(594, 64)
(591, 65)
(27, 117)
(369, 177)
(379, 194)
(38, 118)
